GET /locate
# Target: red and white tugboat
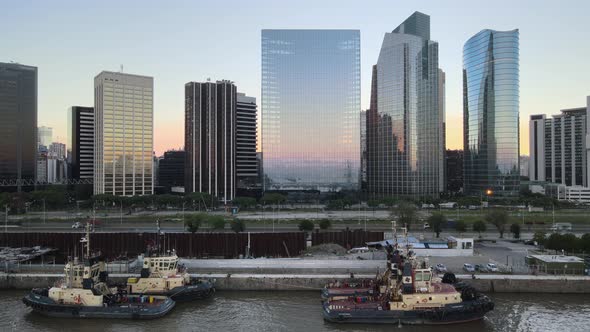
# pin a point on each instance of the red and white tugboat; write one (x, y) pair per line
(406, 293)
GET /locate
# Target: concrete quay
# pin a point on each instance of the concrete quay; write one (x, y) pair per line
(309, 282)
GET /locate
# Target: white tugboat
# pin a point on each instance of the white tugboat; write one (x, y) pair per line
(161, 274)
(84, 293)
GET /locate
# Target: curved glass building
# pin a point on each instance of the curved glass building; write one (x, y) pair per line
(405, 131)
(490, 113)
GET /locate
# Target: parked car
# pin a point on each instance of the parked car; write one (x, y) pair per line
(468, 267)
(440, 268)
(481, 268)
(76, 225)
(492, 267)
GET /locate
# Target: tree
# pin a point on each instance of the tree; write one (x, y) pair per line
(460, 226)
(216, 222)
(238, 225)
(306, 225)
(325, 224)
(498, 218)
(479, 226)
(405, 212)
(245, 202)
(515, 230)
(437, 221)
(373, 203)
(193, 222)
(539, 237)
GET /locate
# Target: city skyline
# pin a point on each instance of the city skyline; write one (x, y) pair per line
(159, 52)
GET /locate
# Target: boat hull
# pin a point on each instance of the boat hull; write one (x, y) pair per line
(47, 307)
(202, 290)
(450, 314)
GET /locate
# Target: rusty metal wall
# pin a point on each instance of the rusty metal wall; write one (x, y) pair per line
(112, 245)
(346, 238)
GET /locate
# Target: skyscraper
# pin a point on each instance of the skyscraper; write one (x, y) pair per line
(123, 141)
(559, 147)
(18, 123)
(45, 136)
(363, 138)
(81, 142)
(246, 163)
(210, 139)
(405, 133)
(490, 113)
(171, 170)
(310, 109)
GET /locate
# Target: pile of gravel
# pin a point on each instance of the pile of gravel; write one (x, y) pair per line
(325, 249)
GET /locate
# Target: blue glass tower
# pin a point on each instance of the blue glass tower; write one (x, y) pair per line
(490, 113)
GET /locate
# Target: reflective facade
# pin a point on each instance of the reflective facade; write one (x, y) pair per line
(246, 162)
(405, 131)
(81, 142)
(18, 122)
(210, 138)
(123, 129)
(491, 113)
(311, 109)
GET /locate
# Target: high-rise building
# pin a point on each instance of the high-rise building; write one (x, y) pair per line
(42, 159)
(123, 134)
(81, 142)
(45, 136)
(524, 166)
(171, 170)
(311, 109)
(405, 132)
(246, 163)
(18, 122)
(363, 137)
(57, 150)
(559, 150)
(490, 113)
(210, 139)
(454, 170)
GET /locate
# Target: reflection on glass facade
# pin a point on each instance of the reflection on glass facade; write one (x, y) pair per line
(405, 132)
(490, 113)
(18, 122)
(123, 144)
(311, 109)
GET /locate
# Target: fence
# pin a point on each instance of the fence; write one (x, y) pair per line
(346, 238)
(112, 245)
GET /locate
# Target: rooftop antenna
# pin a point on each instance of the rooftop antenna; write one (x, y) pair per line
(121, 68)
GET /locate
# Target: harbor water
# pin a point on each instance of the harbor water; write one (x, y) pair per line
(301, 311)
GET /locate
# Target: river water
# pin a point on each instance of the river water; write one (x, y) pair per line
(301, 311)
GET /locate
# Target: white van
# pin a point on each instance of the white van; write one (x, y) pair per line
(561, 227)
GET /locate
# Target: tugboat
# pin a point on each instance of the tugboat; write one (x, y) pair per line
(84, 294)
(406, 293)
(161, 274)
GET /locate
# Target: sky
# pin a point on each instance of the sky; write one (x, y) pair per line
(180, 41)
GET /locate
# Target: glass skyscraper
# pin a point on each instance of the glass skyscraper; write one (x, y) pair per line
(18, 123)
(123, 129)
(490, 113)
(311, 109)
(405, 131)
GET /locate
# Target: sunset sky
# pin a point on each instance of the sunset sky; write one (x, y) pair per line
(181, 41)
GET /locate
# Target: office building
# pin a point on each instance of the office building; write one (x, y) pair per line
(210, 139)
(559, 148)
(363, 142)
(57, 150)
(44, 136)
(454, 170)
(311, 109)
(81, 142)
(171, 170)
(246, 163)
(18, 123)
(405, 132)
(524, 166)
(490, 113)
(123, 134)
